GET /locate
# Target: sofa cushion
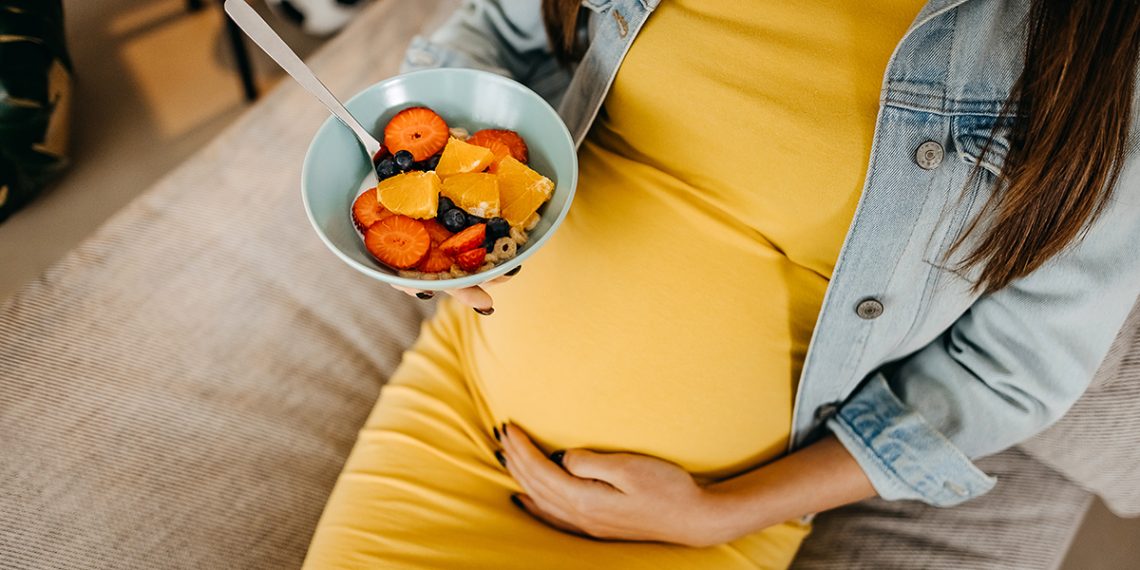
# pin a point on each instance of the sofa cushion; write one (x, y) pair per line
(182, 389)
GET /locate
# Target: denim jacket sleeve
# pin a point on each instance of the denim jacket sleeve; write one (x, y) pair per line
(1010, 366)
(489, 35)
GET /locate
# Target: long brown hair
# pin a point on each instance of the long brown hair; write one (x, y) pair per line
(1071, 110)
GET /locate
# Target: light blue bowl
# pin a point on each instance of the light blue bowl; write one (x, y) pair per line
(335, 164)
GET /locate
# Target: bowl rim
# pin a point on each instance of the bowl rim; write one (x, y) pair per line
(455, 282)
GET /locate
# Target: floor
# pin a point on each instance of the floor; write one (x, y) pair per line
(155, 84)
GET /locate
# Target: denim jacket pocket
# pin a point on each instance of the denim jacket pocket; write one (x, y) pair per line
(975, 179)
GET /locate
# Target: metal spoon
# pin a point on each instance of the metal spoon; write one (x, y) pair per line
(259, 31)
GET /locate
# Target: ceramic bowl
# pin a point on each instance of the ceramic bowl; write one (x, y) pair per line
(335, 165)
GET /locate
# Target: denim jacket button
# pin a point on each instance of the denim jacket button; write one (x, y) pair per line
(929, 155)
(826, 411)
(869, 308)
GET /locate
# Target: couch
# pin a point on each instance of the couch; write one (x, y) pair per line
(181, 390)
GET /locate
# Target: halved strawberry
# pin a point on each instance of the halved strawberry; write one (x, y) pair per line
(435, 261)
(367, 210)
(398, 241)
(486, 137)
(417, 130)
(471, 260)
(438, 233)
(468, 239)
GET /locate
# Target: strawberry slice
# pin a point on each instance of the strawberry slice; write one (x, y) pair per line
(435, 261)
(438, 233)
(466, 240)
(398, 241)
(487, 137)
(471, 260)
(367, 210)
(417, 130)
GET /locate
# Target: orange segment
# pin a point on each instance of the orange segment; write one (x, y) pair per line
(521, 190)
(459, 157)
(475, 192)
(414, 194)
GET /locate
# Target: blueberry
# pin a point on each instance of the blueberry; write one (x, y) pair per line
(472, 219)
(432, 163)
(445, 204)
(497, 228)
(386, 169)
(404, 160)
(454, 220)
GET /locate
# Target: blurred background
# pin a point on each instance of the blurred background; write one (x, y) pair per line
(155, 80)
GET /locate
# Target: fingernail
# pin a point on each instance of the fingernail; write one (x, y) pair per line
(425, 295)
(503, 428)
(557, 456)
(513, 271)
(484, 312)
(499, 456)
(518, 502)
(497, 436)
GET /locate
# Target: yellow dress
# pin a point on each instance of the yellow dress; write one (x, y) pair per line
(670, 313)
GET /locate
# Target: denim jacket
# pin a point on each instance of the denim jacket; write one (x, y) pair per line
(913, 372)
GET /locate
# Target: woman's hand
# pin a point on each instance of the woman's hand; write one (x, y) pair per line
(620, 496)
(475, 297)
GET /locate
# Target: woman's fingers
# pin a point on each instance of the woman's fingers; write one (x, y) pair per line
(475, 297)
(527, 504)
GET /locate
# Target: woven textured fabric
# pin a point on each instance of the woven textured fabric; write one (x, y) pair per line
(182, 389)
(1026, 522)
(1097, 444)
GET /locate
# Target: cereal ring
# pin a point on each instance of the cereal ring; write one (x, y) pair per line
(459, 133)
(487, 267)
(457, 272)
(531, 221)
(428, 277)
(410, 274)
(505, 248)
(518, 235)
(491, 257)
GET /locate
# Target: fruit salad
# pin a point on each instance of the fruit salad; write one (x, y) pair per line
(449, 203)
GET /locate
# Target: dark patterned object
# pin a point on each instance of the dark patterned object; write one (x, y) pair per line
(35, 87)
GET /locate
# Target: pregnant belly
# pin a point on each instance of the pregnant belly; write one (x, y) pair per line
(675, 369)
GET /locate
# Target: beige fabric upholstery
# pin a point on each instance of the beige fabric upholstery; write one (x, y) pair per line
(1025, 523)
(181, 391)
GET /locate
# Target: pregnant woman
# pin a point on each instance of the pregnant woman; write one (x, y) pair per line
(820, 251)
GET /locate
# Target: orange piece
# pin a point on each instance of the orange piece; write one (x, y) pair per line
(459, 157)
(510, 139)
(418, 130)
(521, 190)
(414, 194)
(398, 241)
(476, 192)
(366, 210)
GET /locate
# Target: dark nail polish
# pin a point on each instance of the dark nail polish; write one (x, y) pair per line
(497, 436)
(486, 311)
(518, 502)
(557, 456)
(425, 295)
(514, 271)
(499, 456)
(503, 428)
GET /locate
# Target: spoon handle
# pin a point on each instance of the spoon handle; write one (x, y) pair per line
(264, 36)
